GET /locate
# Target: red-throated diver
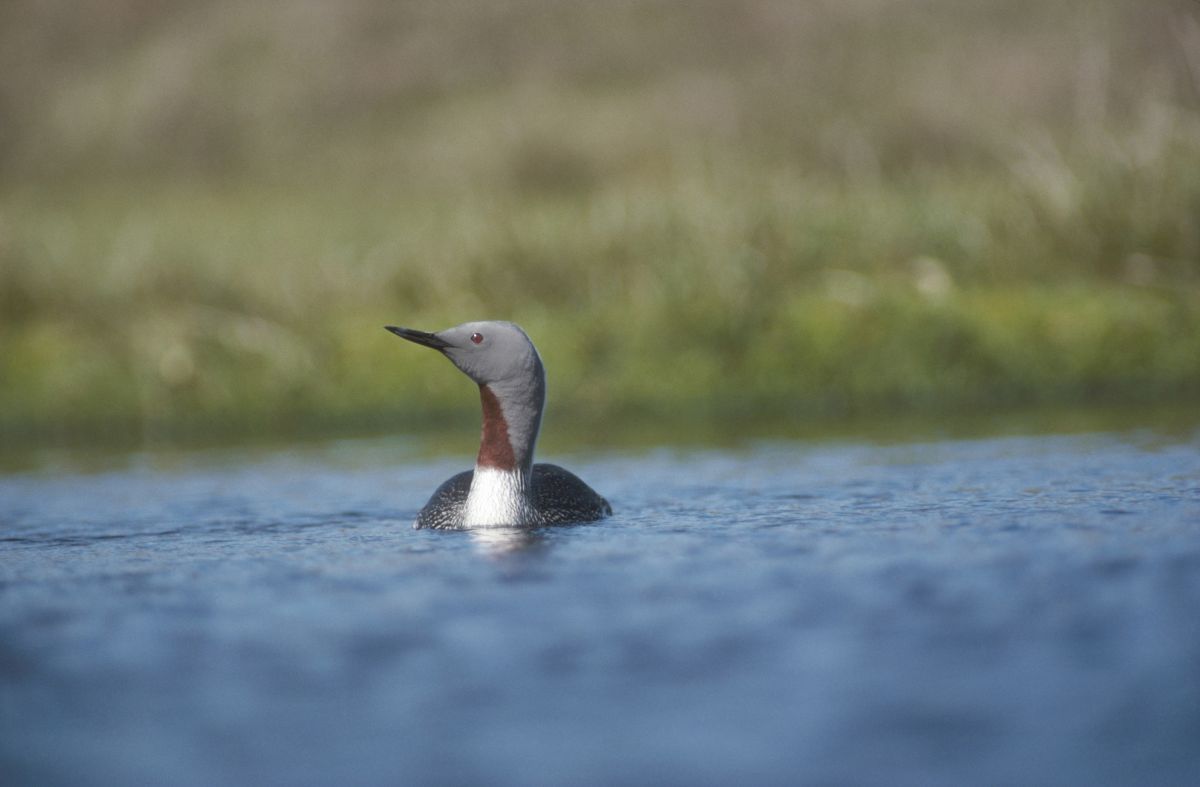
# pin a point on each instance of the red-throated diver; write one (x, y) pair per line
(506, 489)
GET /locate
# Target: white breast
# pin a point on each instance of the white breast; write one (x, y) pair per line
(498, 498)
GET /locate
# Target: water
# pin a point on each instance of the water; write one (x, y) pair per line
(1007, 610)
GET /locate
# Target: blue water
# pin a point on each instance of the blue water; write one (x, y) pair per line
(993, 611)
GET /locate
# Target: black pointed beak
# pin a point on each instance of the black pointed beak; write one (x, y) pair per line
(419, 337)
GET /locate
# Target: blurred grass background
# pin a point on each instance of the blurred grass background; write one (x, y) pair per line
(701, 211)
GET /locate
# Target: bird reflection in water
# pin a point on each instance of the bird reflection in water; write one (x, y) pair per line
(507, 541)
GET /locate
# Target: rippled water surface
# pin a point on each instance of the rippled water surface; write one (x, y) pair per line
(1013, 610)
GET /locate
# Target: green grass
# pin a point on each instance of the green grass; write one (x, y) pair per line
(698, 211)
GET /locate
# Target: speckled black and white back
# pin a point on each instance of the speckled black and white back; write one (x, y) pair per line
(558, 497)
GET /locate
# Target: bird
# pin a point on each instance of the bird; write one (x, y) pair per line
(505, 488)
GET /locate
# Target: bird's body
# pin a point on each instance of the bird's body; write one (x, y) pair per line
(556, 496)
(505, 489)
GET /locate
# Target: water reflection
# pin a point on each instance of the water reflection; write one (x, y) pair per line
(507, 541)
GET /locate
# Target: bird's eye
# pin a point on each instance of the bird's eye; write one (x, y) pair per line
(476, 338)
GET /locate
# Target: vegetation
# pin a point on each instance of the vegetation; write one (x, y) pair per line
(697, 209)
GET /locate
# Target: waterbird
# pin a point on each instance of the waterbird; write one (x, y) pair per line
(506, 488)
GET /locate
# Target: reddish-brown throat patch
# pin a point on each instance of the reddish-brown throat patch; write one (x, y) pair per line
(495, 449)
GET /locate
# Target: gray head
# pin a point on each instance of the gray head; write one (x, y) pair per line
(490, 352)
(512, 385)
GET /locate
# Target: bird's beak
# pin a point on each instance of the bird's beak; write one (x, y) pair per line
(419, 337)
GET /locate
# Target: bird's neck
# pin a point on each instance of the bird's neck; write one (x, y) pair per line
(499, 493)
(512, 416)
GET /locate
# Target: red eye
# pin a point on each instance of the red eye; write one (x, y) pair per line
(477, 338)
